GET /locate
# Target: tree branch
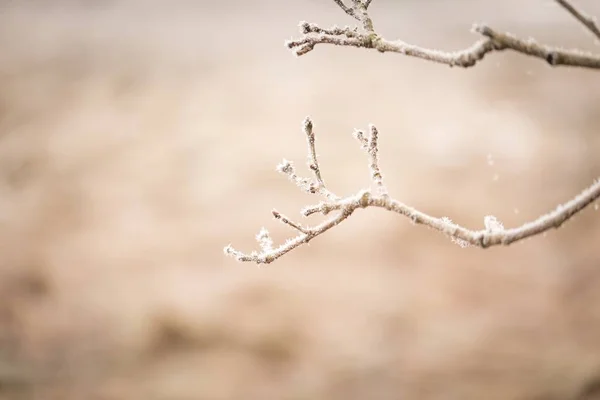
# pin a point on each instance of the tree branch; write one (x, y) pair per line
(588, 21)
(493, 233)
(492, 41)
(347, 10)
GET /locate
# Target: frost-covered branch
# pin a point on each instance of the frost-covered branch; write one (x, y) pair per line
(492, 41)
(493, 233)
(341, 208)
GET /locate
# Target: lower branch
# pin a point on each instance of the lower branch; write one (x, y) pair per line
(493, 234)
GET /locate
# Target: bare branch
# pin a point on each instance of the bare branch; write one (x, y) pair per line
(553, 55)
(278, 216)
(358, 11)
(588, 21)
(287, 168)
(347, 10)
(360, 136)
(493, 233)
(372, 150)
(313, 163)
(266, 257)
(493, 41)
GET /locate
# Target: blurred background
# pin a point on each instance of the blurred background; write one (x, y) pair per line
(138, 138)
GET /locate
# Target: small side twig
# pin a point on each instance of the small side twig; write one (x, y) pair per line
(588, 21)
(372, 150)
(358, 11)
(493, 233)
(347, 10)
(313, 162)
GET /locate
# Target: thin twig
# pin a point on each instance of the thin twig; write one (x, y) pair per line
(588, 21)
(493, 233)
(493, 41)
(280, 217)
(313, 162)
(553, 55)
(347, 10)
(360, 10)
(267, 257)
(372, 150)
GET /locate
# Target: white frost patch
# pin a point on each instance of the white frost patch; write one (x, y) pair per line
(492, 224)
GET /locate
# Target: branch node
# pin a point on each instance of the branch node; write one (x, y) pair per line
(364, 199)
(280, 217)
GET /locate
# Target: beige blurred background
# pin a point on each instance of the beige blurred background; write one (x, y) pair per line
(138, 138)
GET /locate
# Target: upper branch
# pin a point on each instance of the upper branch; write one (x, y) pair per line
(492, 41)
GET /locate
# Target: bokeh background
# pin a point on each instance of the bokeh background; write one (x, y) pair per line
(138, 138)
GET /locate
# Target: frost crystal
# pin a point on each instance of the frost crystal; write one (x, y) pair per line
(460, 242)
(286, 167)
(264, 239)
(492, 224)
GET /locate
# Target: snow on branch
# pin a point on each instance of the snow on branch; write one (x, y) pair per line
(492, 41)
(493, 233)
